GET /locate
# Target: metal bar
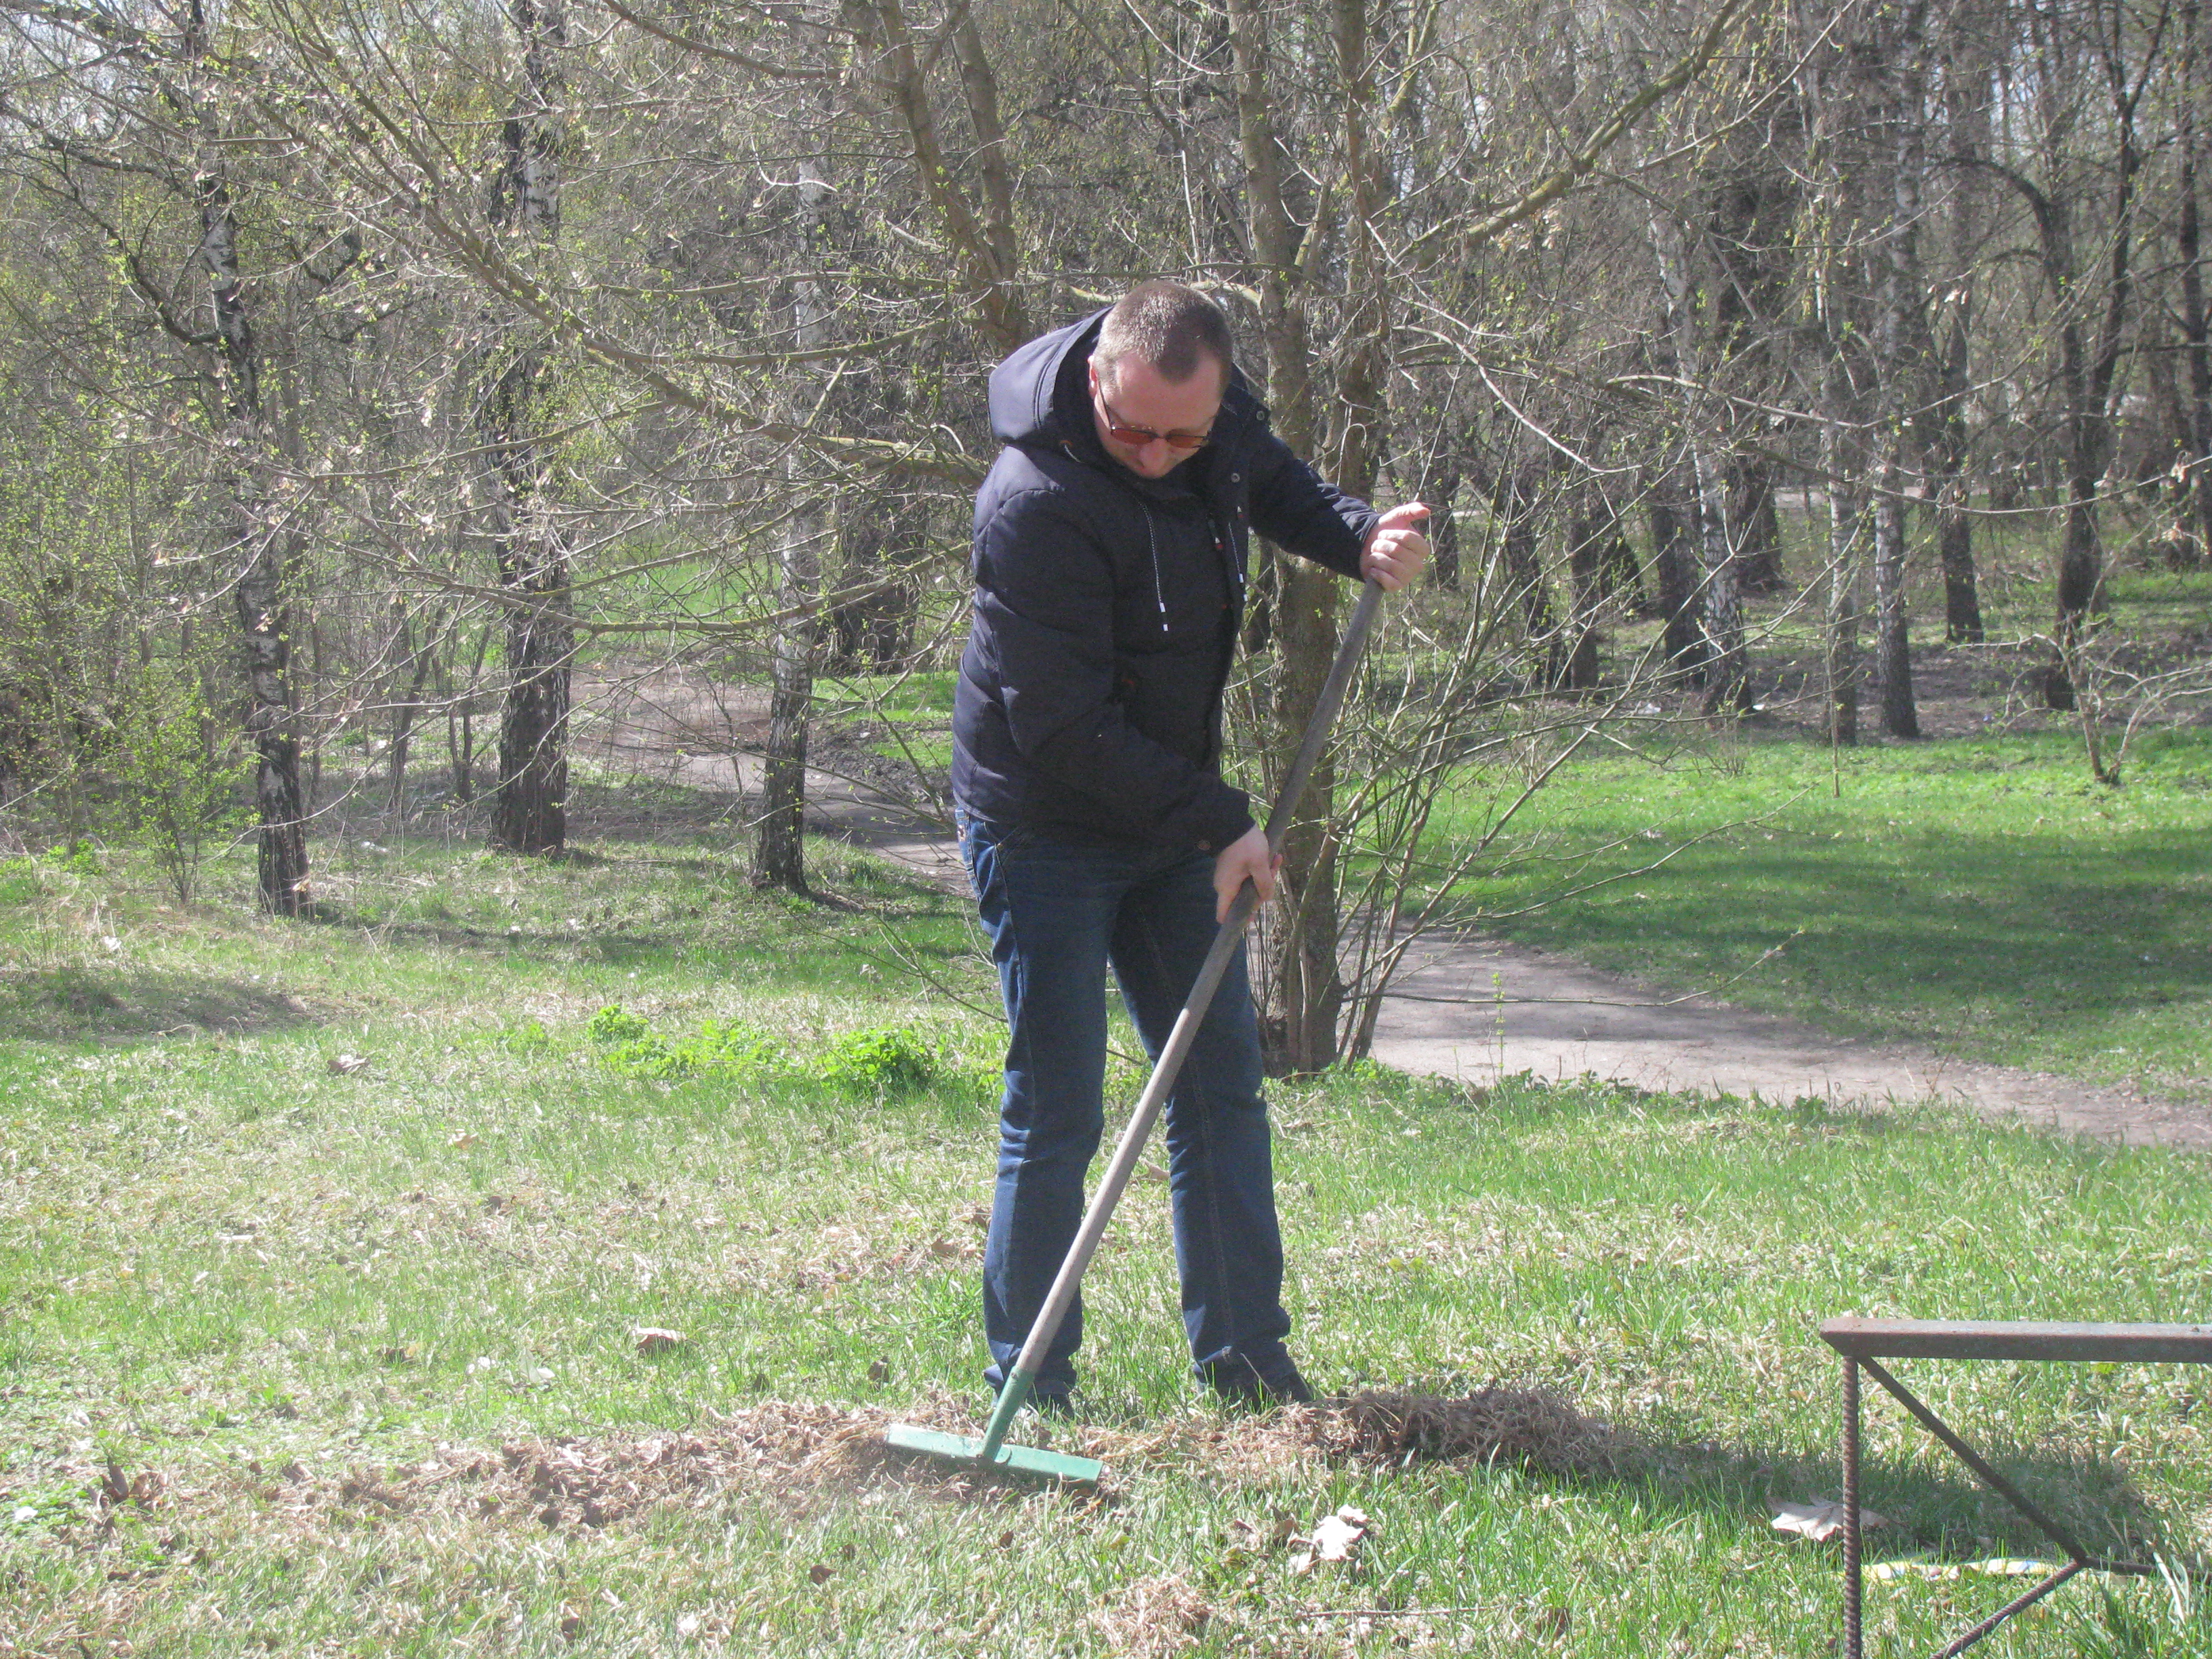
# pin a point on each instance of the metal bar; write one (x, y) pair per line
(2026, 1339)
(2018, 1605)
(1973, 1459)
(1854, 1582)
(2121, 1569)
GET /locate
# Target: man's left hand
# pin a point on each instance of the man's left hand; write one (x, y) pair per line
(1396, 551)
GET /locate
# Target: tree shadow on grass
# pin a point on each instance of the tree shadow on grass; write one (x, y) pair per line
(78, 1004)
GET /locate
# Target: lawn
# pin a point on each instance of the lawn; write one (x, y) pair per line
(1979, 895)
(325, 1249)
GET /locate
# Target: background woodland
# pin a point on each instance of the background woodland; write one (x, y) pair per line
(389, 381)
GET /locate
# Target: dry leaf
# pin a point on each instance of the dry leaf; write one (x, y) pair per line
(1553, 1623)
(687, 1624)
(346, 1064)
(1335, 1538)
(462, 1142)
(651, 1339)
(820, 1572)
(1818, 1521)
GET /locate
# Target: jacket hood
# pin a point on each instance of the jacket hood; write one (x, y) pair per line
(1027, 406)
(1022, 387)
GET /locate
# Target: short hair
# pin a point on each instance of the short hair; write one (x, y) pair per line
(1168, 326)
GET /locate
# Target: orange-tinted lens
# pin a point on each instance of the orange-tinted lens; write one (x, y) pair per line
(1138, 435)
(1141, 435)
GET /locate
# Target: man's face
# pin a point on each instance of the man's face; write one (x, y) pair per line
(1133, 396)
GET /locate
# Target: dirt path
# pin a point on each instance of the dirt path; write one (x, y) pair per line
(1479, 1009)
(1469, 1008)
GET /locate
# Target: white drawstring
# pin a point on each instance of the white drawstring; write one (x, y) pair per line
(1159, 597)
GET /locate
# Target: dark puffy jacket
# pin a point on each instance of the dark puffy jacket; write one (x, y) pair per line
(1107, 608)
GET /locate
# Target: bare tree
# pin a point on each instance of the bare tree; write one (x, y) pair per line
(530, 809)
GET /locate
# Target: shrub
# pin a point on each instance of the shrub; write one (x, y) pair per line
(635, 1048)
(611, 1024)
(890, 1060)
(179, 791)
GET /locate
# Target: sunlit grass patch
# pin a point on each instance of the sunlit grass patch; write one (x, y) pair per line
(408, 1323)
(1981, 896)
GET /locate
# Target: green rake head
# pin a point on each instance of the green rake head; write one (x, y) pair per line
(1014, 1460)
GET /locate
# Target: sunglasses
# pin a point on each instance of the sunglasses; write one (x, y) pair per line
(1123, 433)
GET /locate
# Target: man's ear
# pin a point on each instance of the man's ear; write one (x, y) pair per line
(1090, 367)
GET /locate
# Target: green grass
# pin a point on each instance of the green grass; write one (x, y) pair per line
(345, 1315)
(1979, 895)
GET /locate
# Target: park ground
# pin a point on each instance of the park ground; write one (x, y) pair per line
(367, 1287)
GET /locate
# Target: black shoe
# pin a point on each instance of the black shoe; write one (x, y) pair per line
(1235, 1383)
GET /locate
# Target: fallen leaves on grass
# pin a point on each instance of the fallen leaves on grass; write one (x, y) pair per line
(346, 1065)
(1155, 1617)
(1818, 1521)
(1533, 1428)
(653, 1339)
(1335, 1538)
(792, 1450)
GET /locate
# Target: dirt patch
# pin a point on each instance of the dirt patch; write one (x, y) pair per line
(1478, 1009)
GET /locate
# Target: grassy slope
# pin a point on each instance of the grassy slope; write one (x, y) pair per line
(219, 1256)
(1979, 895)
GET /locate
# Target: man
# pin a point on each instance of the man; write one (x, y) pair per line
(1110, 566)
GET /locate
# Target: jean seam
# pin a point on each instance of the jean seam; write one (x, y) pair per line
(1192, 1079)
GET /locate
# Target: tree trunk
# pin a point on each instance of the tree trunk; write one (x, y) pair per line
(1302, 991)
(1902, 331)
(1965, 80)
(2197, 330)
(1845, 607)
(257, 548)
(780, 845)
(1954, 520)
(2089, 392)
(1588, 540)
(1670, 504)
(1892, 653)
(1758, 526)
(530, 808)
(1727, 665)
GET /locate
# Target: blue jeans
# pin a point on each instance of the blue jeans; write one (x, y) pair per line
(1060, 907)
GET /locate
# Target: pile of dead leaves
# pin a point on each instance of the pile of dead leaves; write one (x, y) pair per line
(1155, 1617)
(1525, 1428)
(594, 1482)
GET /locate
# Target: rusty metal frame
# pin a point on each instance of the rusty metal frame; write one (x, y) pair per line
(1860, 1341)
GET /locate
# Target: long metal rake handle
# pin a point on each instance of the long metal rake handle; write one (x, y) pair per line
(1023, 1377)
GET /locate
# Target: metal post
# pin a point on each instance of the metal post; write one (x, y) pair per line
(1852, 1585)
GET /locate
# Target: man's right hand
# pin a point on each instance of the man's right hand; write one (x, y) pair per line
(1247, 857)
